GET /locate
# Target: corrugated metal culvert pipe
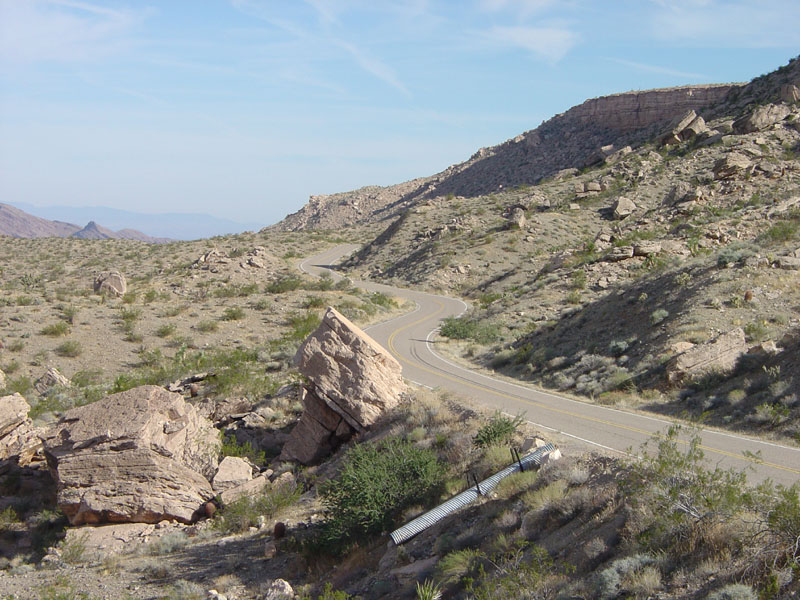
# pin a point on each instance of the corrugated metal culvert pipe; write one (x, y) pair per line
(422, 522)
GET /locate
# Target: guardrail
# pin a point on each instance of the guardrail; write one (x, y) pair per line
(422, 522)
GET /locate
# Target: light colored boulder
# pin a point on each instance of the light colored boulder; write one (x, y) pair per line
(232, 472)
(143, 455)
(717, 355)
(517, 218)
(790, 93)
(619, 253)
(693, 129)
(788, 263)
(623, 207)
(250, 488)
(279, 589)
(2, 379)
(13, 412)
(672, 134)
(100, 542)
(110, 282)
(732, 165)
(51, 379)
(761, 118)
(350, 371)
(353, 381)
(646, 248)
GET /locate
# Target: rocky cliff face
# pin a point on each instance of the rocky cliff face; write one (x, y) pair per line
(571, 139)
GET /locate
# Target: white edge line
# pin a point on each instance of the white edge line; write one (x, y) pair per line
(429, 345)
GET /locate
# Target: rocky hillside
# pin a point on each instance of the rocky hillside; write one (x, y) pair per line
(583, 135)
(17, 223)
(645, 278)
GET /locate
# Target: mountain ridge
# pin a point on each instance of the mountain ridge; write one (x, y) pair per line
(17, 223)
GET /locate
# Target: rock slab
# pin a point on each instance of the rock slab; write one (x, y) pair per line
(143, 455)
(719, 354)
(110, 282)
(352, 382)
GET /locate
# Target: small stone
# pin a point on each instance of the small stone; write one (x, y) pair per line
(270, 550)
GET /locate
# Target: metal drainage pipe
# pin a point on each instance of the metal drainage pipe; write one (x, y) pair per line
(422, 522)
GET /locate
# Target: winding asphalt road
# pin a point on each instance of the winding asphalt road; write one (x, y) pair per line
(409, 338)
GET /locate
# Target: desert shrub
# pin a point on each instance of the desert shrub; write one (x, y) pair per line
(516, 483)
(735, 253)
(16, 346)
(232, 313)
(782, 231)
(69, 349)
(458, 564)
(168, 543)
(166, 330)
(610, 582)
(546, 497)
(19, 385)
(498, 430)
(186, 590)
(464, 328)
(617, 347)
(302, 324)
(56, 329)
(240, 515)
(68, 313)
(736, 591)
(230, 447)
(382, 300)
(288, 283)
(377, 482)
(516, 570)
(657, 316)
(328, 593)
(314, 302)
(207, 326)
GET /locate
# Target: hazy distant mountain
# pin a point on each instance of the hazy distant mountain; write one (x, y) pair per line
(177, 226)
(17, 223)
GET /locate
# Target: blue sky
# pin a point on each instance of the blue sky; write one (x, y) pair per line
(244, 108)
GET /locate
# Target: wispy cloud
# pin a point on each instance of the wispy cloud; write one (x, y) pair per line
(374, 67)
(658, 69)
(548, 43)
(62, 30)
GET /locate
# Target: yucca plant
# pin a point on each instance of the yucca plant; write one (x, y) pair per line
(428, 591)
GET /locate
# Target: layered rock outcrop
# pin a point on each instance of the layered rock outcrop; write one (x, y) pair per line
(110, 282)
(352, 382)
(19, 440)
(143, 455)
(717, 355)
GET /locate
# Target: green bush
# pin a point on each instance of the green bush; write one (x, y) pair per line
(498, 430)
(240, 515)
(377, 482)
(56, 329)
(463, 328)
(69, 349)
(285, 284)
(234, 313)
(302, 324)
(658, 316)
(231, 447)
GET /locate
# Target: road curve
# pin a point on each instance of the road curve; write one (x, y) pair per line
(409, 339)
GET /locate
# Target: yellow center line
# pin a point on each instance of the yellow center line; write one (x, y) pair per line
(485, 388)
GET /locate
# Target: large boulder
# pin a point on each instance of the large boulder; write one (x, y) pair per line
(110, 282)
(20, 441)
(143, 455)
(623, 207)
(732, 165)
(352, 382)
(762, 118)
(355, 376)
(717, 355)
(52, 378)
